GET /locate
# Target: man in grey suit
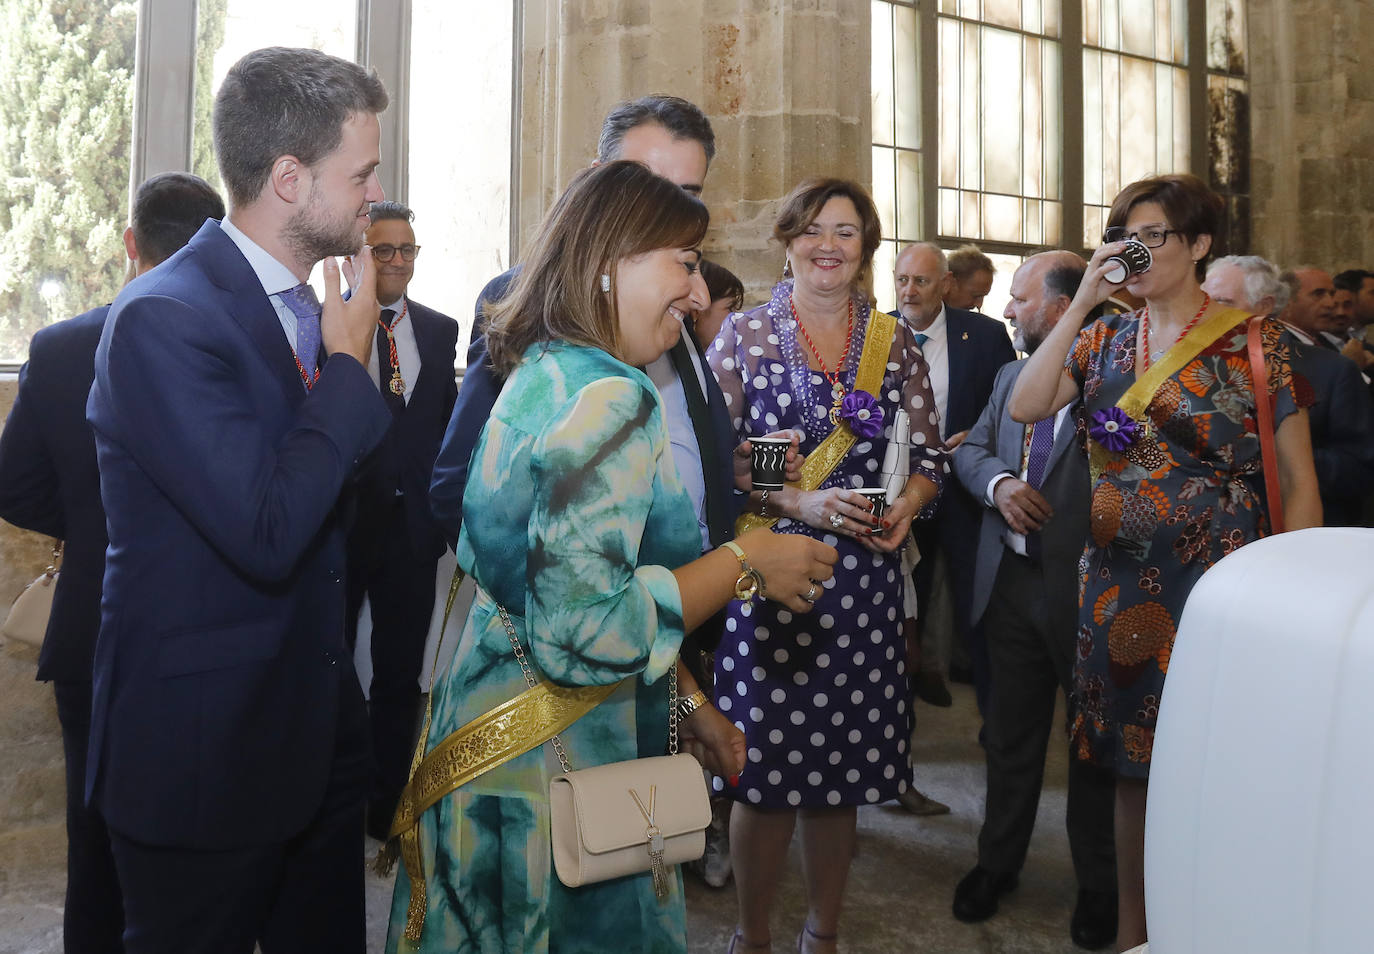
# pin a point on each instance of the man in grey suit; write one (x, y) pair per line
(1033, 482)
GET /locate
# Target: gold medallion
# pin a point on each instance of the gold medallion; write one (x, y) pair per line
(398, 384)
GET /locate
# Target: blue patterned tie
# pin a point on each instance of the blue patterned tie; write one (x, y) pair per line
(306, 307)
(921, 339)
(1042, 440)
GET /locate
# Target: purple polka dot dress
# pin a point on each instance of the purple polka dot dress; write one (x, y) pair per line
(821, 696)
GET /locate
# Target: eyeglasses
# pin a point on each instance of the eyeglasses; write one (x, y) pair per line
(385, 253)
(1150, 238)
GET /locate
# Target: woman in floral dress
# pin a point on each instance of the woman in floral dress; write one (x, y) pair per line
(822, 698)
(1179, 487)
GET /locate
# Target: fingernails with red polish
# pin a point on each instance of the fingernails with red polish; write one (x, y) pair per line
(887, 524)
(733, 780)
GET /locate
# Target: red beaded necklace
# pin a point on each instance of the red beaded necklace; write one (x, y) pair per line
(836, 389)
(397, 383)
(309, 382)
(1145, 330)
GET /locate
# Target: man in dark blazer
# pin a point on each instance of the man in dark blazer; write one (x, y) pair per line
(49, 483)
(394, 546)
(228, 748)
(1341, 415)
(1033, 483)
(964, 351)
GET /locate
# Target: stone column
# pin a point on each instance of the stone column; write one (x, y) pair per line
(1312, 128)
(785, 84)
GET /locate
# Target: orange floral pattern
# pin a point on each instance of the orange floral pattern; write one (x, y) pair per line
(1161, 515)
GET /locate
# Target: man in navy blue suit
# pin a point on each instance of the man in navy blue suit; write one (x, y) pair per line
(49, 484)
(394, 546)
(228, 749)
(964, 352)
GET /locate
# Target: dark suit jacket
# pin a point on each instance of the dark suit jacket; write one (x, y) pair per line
(220, 669)
(994, 446)
(481, 387)
(977, 347)
(405, 459)
(1342, 424)
(49, 483)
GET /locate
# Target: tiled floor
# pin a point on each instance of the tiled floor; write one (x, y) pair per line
(899, 889)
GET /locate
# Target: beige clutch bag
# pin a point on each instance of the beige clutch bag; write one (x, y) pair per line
(626, 817)
(27, 621)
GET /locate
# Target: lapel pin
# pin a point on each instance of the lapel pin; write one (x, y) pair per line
(964, 336)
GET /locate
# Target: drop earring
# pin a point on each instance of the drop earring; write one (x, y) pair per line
(605, 283)
(787, 268)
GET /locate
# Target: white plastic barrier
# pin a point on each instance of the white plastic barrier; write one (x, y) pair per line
(1259, 834)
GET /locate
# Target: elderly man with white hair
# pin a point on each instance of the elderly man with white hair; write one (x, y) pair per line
(1342, 417)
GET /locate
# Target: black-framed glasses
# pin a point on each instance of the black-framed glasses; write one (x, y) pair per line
(385, 253)
(1150, 238)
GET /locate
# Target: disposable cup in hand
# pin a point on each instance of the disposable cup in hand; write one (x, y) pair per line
(1131, 260)
(768, 465)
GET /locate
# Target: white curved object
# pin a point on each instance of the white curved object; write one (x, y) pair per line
(1259, 834)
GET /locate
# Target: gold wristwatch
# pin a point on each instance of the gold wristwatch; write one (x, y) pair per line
(689, 704)
(750, 581)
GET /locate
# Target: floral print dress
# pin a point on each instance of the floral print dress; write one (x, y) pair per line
(1176, 501)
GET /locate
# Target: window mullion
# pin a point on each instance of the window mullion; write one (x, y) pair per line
(1071, 105)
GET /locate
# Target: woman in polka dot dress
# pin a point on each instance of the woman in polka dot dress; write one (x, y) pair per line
(821, 697)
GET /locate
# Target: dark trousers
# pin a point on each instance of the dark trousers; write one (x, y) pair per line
(399, 586)
(957, 546)
(1030, 664)
(93, 919)
(302, 895)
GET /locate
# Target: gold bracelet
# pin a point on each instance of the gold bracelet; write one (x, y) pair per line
(750, 581)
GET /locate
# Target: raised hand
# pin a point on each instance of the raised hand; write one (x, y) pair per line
(349, 327)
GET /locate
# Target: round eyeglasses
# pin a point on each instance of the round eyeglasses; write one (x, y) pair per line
(385, 253)
(1150, 238)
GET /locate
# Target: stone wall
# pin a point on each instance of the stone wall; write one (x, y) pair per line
(1312, 129)
(32, 786)
(784, 82)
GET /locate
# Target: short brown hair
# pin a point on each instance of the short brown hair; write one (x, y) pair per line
(968, 259)
(1190, 206)
(805, 202)
(608, 212)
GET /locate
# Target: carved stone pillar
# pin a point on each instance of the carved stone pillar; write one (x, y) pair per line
(785, 84)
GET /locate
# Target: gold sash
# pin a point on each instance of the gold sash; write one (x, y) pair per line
(495, 737)
(824, 459)
(1139, 395)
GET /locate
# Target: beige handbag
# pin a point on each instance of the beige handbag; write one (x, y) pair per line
(27, 621)
(624, 817)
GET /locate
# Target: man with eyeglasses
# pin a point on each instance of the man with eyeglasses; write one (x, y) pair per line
(394, 545)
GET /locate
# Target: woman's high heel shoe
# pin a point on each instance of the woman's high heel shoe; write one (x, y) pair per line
(812, 935)
(738, 945)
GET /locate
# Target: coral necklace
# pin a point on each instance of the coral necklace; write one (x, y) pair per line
(1145, 332)
(837, 391)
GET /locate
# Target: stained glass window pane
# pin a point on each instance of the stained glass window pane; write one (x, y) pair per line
(949, 212)
(1092, 22)
(880, 74)
(885, 189)
(1051, 17)
(1054, 223)
(908, 195)
(1001, 108)
(884, 264)
(907, 90)
(950, 102)
(1137, 18)
(1002, 12)
(1001, 218)
(1226, 50)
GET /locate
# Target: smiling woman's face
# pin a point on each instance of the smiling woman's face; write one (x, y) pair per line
(828, 254)
(654, 293)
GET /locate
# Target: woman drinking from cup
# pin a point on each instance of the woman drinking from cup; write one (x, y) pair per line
(586, 553)
(1174, 432)
(822, 697)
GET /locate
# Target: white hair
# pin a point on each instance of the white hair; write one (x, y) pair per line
(1260, 278)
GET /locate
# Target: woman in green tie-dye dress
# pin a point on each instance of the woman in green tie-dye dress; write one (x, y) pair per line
(575, 521)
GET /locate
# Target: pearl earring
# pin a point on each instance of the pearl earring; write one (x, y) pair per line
(605, 283)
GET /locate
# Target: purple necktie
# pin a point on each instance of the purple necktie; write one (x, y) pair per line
(1041, 442)
(306, 307)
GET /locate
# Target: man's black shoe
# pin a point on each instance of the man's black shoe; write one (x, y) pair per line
(1094, 919)
(976, 897)
(930, 687)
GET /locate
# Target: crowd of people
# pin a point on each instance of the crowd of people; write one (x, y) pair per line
(236, 466)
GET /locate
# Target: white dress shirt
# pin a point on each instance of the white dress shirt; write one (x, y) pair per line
(274, 276)
(681, 434)
(936, 351)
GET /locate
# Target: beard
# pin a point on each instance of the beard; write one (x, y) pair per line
(314, 233)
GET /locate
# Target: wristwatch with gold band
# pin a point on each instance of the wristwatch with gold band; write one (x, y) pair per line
(686, 705)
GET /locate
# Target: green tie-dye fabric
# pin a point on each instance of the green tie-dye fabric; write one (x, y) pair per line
(573, 517)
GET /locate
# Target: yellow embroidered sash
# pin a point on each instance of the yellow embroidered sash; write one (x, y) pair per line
(821, 462)
(495, 737)
(1139, 395)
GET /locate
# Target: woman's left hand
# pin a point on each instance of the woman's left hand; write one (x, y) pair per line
(714, 741)
(896, 523)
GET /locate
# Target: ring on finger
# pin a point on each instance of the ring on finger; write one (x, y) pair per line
(836, 521)
(810, 595)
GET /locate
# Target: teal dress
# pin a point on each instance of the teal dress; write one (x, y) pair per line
(572, 519)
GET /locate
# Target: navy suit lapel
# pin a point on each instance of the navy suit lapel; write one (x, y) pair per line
(957, 359)
(248, 304)
(426, 342)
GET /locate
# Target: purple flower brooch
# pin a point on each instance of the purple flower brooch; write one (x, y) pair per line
(1114, 429)
(860, 410)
